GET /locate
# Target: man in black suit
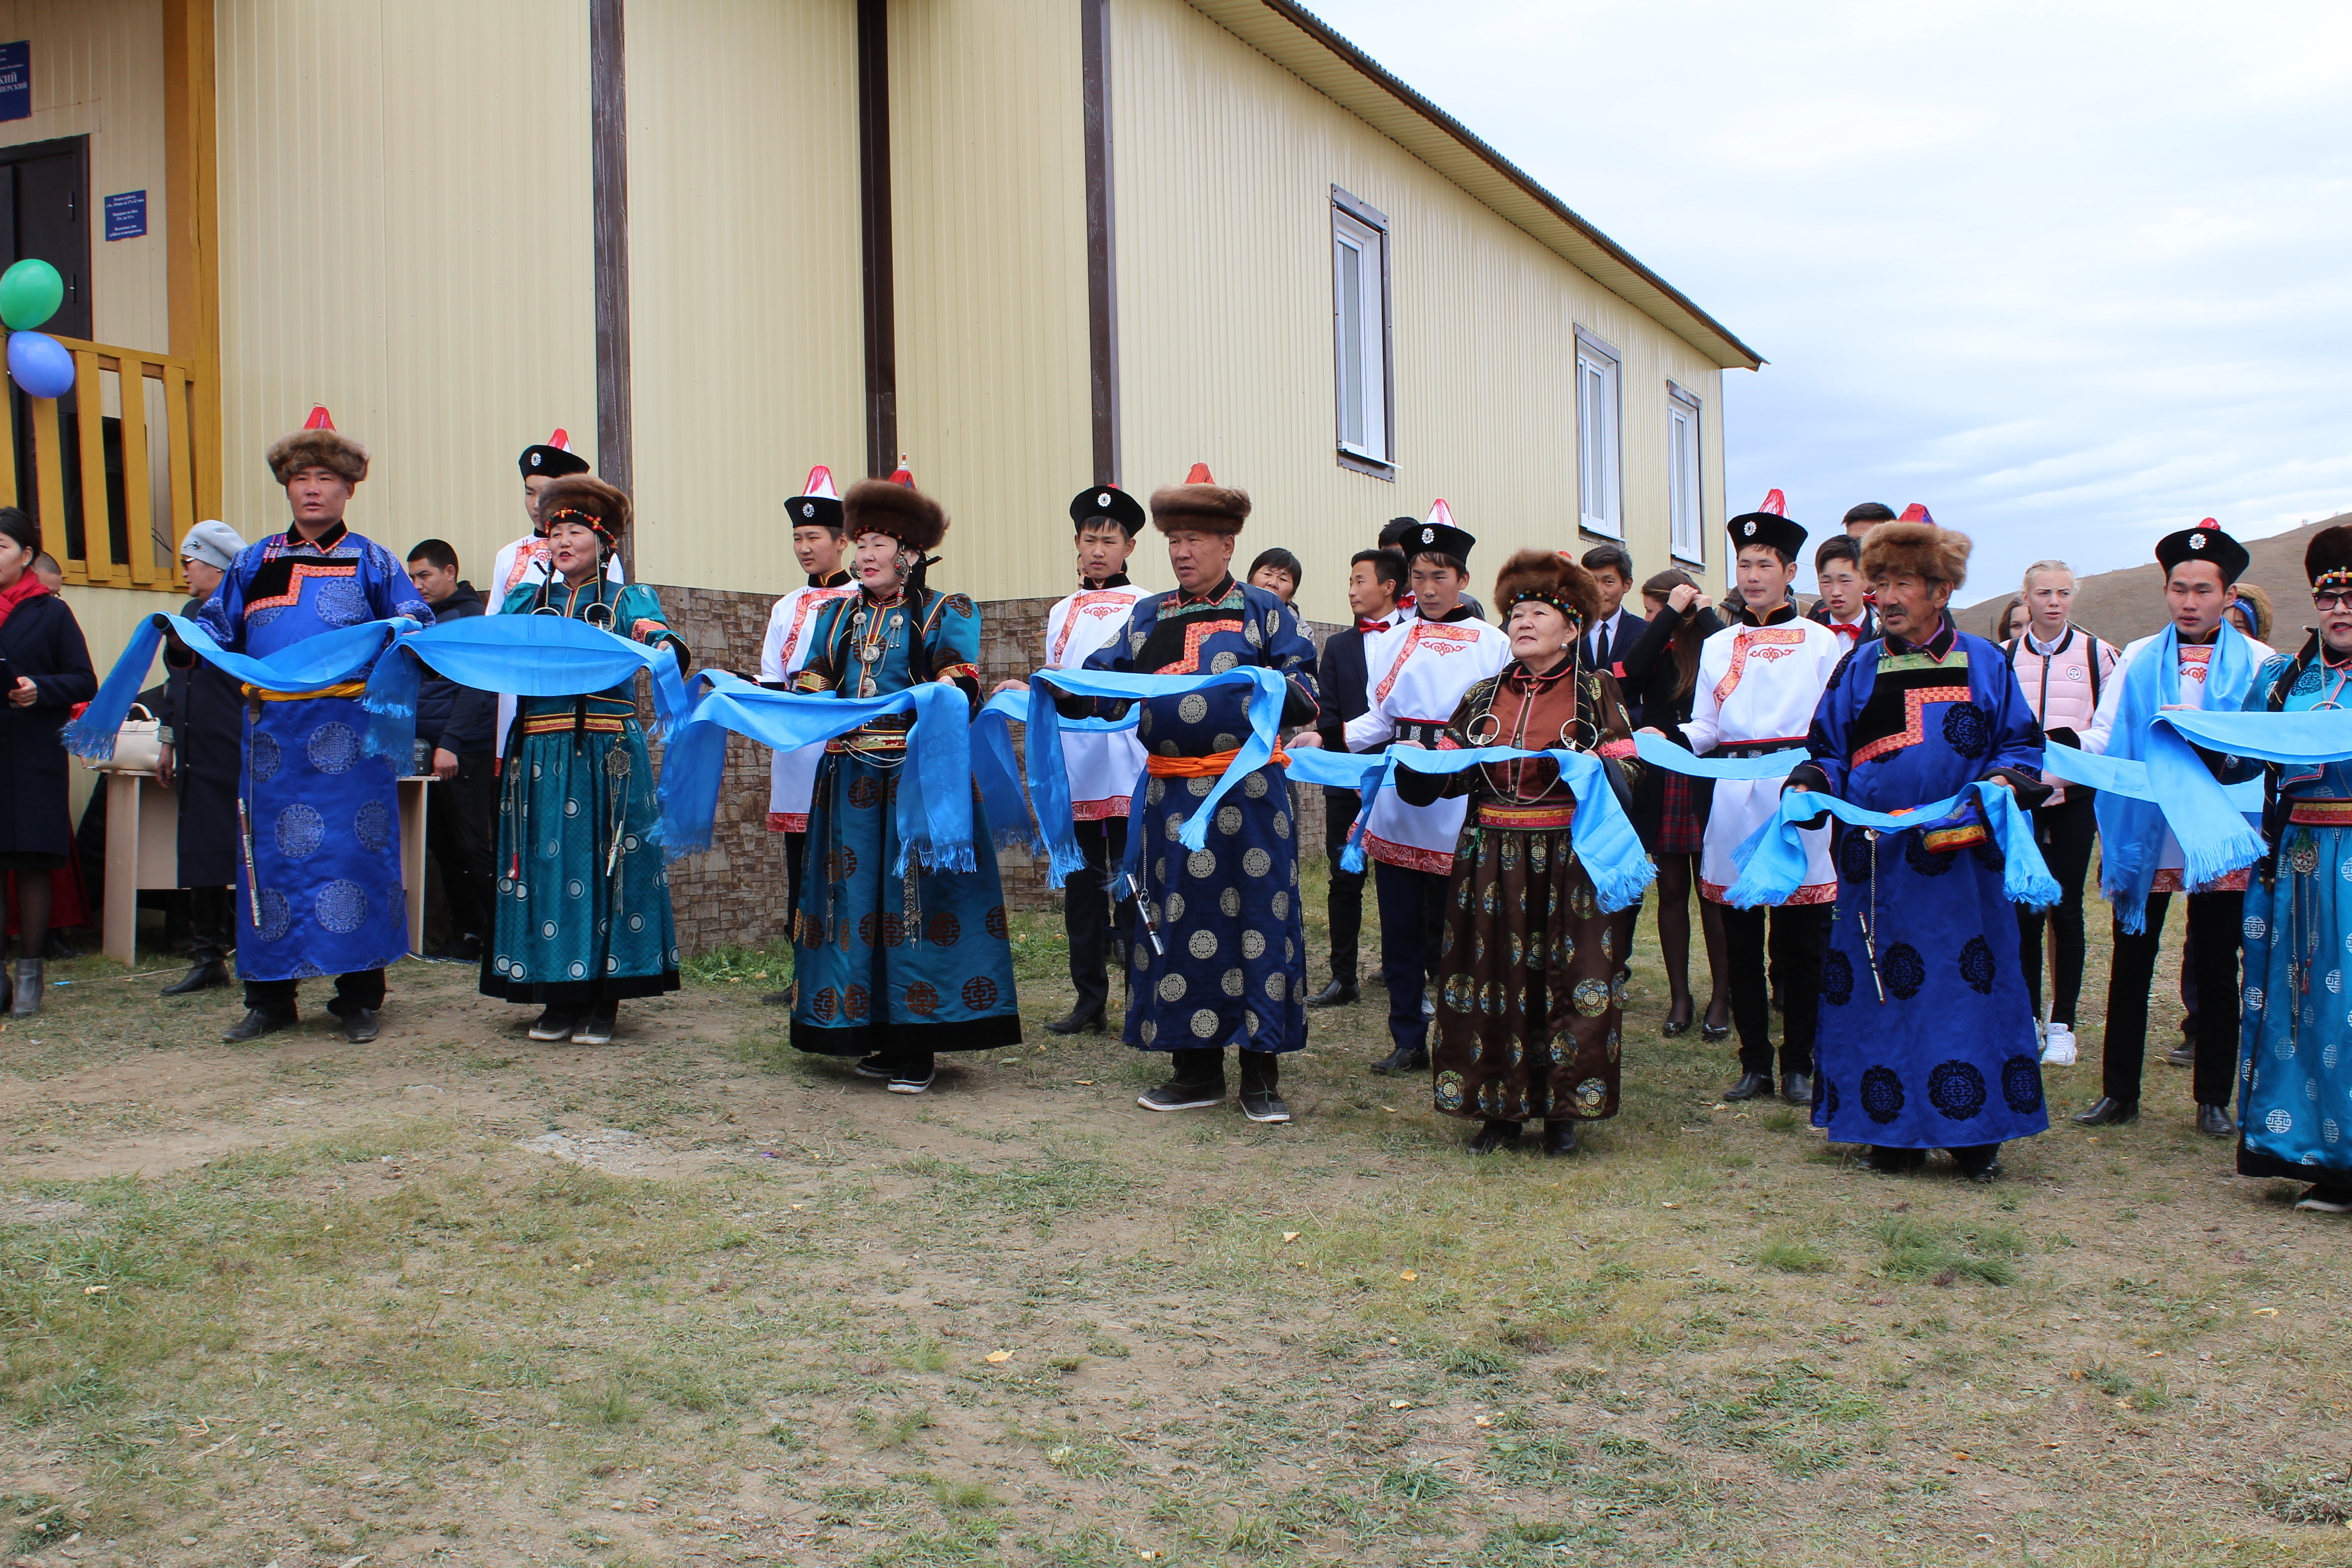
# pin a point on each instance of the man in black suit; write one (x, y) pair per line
(1375, 578)
(1615, 628)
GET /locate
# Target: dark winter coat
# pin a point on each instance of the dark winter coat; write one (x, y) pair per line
(43, 642)
(205, 711)
(454, 718)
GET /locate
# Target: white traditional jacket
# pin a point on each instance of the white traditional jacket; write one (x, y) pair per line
(1103, 767)
(1758, 688)
(1416, 675)
(529, 559)
(792, 775)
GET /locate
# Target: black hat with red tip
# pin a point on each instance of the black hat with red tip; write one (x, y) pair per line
(2206, 541)
(1768, 524)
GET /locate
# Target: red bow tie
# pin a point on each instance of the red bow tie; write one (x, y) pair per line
(1851, 634)
(1368, 627)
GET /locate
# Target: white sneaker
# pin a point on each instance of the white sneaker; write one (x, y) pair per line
(2058, 1046)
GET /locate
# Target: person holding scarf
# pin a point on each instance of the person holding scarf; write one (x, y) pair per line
(318, 882)
(1219, 949)
(203, 711)
(2198, 661)
(1927, 1037)
(894, 963)
(43, 669)
(1528, 1007)
(2294, 1072)
(529, 560)
(584, 918)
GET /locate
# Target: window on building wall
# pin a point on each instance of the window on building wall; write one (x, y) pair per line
(1360, 336)
(1685, 530)
(1600, 479)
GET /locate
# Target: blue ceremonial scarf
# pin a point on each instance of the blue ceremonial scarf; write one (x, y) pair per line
(2063, 763)
(1772, 860)
(934, 809)
(1661, 752)
(2131, 830)
(999, 774)
(329, 658)
(519, 655)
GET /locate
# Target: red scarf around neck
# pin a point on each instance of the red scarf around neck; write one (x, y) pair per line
(25, 588)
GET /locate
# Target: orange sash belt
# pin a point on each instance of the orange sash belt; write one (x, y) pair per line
(1208, 767)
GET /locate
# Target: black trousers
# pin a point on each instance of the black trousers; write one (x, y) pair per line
(2214, 921)
(1413, 920)
(2065, 834)
(1798, 933)
(212, 922)
(795, 850)
(459, 836)
(1088, 910)
(361, 988)
(1344, 905)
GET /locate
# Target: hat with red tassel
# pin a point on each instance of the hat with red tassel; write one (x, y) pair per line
(552, 457)
(1768, 525)
(2206, 541)
(317, 444)
(818, 503)
(1437, 536)
(1200, 502)
(895, 507)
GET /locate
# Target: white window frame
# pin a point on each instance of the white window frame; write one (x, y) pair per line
(1362, 362)
(1599, 444)
(1686, 492)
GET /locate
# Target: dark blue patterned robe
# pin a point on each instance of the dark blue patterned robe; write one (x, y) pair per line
(1948, 1059)
(1229, 913)
(325, 896)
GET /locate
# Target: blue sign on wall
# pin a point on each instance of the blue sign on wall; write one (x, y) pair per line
(16, 79)
(126, 214)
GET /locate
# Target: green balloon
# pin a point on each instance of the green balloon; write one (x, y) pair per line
(30, 293)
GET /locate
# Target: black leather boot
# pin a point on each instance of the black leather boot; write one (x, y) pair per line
(202, 975)
(1262, 1087)
(1494, 1135)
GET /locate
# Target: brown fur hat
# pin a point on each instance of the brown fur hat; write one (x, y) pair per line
(1199, 502)
(2329, 555)
(1551, 577)
(317, 444)
(1939, 555)
(896, 508)
(595, 502)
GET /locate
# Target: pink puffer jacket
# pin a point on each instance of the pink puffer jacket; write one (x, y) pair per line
(2063, 687)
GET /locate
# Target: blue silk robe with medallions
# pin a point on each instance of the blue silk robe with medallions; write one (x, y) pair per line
(880, 967)
(324, 895)
(2295, 1067)
(1229, 918)
(583, 915)
(1949, 1058)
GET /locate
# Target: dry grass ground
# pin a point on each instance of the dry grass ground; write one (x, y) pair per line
(693, 1299)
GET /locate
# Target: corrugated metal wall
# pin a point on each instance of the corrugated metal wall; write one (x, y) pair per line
(988, 201)
(1225, 168)
(404, 236)
(745, 294)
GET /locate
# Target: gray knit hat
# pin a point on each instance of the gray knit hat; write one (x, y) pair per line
(214, 543)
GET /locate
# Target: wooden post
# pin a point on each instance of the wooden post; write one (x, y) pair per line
(138, 491)
(874, 221)
(89, 418)
(191, 246)
(608, 132)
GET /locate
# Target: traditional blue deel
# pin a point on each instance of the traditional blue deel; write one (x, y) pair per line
(1772, 859)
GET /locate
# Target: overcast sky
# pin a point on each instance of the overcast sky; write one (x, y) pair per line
(2072, 275)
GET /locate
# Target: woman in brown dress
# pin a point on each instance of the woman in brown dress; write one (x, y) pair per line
(1528, 1015)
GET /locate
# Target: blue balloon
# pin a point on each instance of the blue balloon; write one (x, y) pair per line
(42, 365)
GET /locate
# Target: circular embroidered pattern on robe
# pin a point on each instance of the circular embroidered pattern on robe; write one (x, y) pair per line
(894, 930)
(1192, 706)
(1616, 1046)
(868, 927)
(2308, 681)
(1923, 860)
(1172, 824)
(2279, 1121)
(1491, 999)
(922, 999)
(1903, 970)
(1172, 912)
(2020, 1083)
(2283, 1047)
(864, 794)
(1563, 1049)
(1448, 1093)
(1155, 792)
(1609, 943)
(1591, 997)
(1229, 903)
(340, 905)
(1255, 863)
(1278, 985)
(2304, 856)
(1881, 1095)
(1140, 955)
(1580, 902)
(943, 930)
(1281, 905)
(824, 1005)
(1829, 1097)
(1202, 945)
(1171, 987)
(1222, 663)
(853, 1002)
(1967, 729)
(1975, 965)
(277, 915)
(300, 831)
(1837, 978)
(1592, 1095)
(1148, 1031)
(1956, 1089)
(1228, 820)
(1988, 856)
(1282, 825)
(1231, 982)
(1253, 944)
(1198, 788)
(995, 921)
(1490, 1097)
(1854, 857)
(1202, 865)
(265, 756)
(845, 864)
(1254, 786)
(340, 602)
(979, 993)
(1460, 992)
(1251, 635)
(334, 748)
(1205, 1023)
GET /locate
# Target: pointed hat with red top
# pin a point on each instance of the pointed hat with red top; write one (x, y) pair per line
(1768, 524)
(552, 457)
(818, 503)
(2206, 541)
(1199, 503)
(896, 508)
(1437, 536)
(317, 444)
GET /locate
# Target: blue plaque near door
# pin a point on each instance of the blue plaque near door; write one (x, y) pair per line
(126, 214)
(16, 79)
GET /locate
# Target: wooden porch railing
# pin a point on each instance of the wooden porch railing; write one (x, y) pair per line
(115, 492)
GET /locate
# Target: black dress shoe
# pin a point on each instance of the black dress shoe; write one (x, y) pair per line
(1710, 1030)
(1796, 1087)
(2107, 1112)
(1492, 1135)
(1560, 1138)
(784, 998)
(1338, 993)
(359, 1026)
(260, 1021)
(202, 976)
(1078, 1022)
(2214, 1122)
(1893, 1162)
(1404, 1058)
(1679, 1018)
(2183, 1054)
(1751, 1086)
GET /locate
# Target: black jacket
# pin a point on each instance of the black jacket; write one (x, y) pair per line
(43, 642)
(455, 718)
(1625, 630)
(1645, 669)
(1821, 612)
(205, 711)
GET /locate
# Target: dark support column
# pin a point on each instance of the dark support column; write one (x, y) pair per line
(1102, 251)
(608, 111)
(874, 223)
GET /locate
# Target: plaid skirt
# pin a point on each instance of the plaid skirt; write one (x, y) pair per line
(1682, 820)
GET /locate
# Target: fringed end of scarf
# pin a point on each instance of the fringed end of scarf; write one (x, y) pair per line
(940, 860)
(2211, 859)
(1621, 888)
(391, 703)
(1748, 892)
(2034, 890)
(1064, 858)
(92, 742)
(92, 736)
(677, 841)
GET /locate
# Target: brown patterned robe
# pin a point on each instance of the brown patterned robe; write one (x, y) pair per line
(1527, 1013)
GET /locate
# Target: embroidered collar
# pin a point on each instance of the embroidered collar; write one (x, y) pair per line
(1215, 596)
(1936, 646)
(897, 596)
(323, 544)
(1526, 679)
(1783, 611)
(1116, 580)
(1458, 613)
(833, 580)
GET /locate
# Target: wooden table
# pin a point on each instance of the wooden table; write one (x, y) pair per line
(142, 854)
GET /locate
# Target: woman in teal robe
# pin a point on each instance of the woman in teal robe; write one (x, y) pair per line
(891, 967)
(584, 919)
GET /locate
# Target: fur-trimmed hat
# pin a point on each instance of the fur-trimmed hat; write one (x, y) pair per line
(895, 507)
(317, 444)
(584, 498)
(1199, 502)
(1921, 549)
(1552, 578)
(2327, 558)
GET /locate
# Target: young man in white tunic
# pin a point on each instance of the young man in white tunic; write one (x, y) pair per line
(815, 516)
(529, 559)
(1760, 680)
(1418, 671)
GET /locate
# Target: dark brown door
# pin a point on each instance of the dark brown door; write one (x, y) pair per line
(44, 208)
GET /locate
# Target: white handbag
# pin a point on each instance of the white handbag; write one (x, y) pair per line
(138, 745)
